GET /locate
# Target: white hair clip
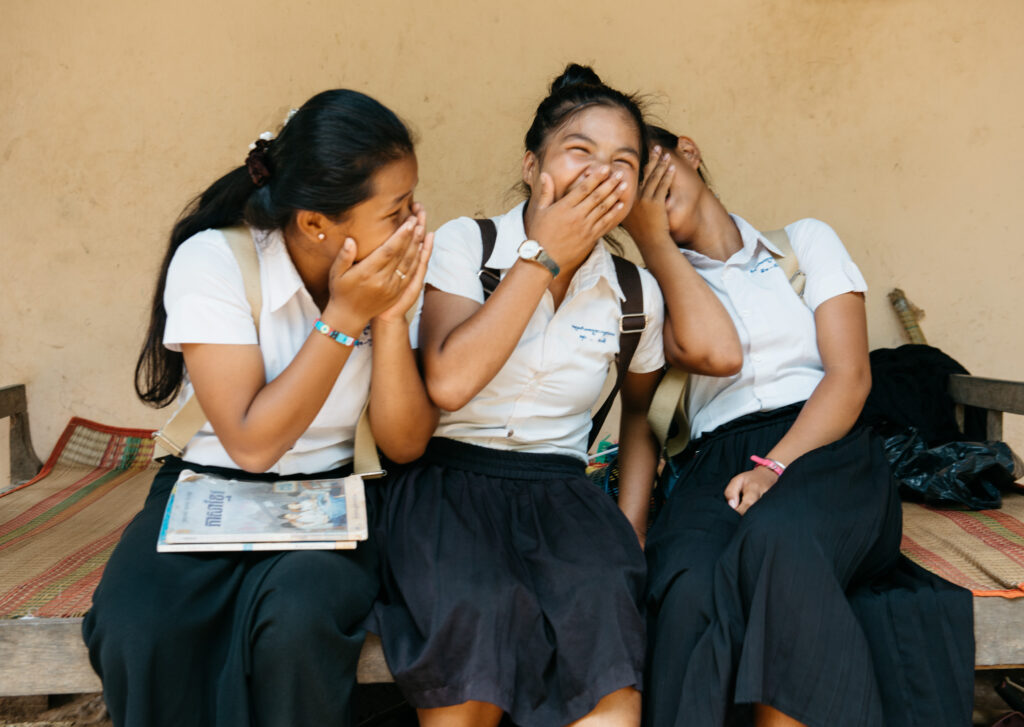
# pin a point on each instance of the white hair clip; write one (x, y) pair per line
(265, 136)
(289, 116)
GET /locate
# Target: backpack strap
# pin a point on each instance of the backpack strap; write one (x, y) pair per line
(787, 261)
(632, 323)
(632, 320)
(669, 403)
(174, 436)
(489, 277)
(669, 399)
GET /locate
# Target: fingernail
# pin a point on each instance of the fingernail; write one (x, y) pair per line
(605, 170)
(622, 187)
(671, 167)
(618, 175)
(734, 504)
(664, 157)
(657, 150)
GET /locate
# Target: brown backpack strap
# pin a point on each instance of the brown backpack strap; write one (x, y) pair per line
(489, 277)
(632, 323)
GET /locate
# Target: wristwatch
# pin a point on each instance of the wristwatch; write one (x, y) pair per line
(532, 251)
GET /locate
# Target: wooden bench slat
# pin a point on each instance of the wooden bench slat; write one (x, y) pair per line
(47, 656)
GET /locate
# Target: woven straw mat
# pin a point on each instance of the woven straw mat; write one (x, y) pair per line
(58, 530)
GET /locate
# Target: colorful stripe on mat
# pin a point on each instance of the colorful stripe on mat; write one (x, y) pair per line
(979, 550)
(65, 589)
(96, 474)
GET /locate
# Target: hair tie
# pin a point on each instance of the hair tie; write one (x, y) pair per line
(258, 161)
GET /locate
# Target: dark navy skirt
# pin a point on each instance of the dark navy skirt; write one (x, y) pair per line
(228, 639)
(805, 603)
(508, 578)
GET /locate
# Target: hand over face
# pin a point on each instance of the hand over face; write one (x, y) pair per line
(647, 222)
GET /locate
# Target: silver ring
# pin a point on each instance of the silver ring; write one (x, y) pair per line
(400, 274)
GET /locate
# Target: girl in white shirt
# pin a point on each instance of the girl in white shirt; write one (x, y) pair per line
(511, 583)
(246, 639)
(774, 567)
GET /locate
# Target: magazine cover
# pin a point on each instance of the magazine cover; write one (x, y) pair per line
(205, 510)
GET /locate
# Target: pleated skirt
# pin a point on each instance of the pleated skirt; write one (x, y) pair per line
(508, 578)
(228, 639)
(804, 603)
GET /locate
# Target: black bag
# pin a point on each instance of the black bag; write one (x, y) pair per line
(966, 474)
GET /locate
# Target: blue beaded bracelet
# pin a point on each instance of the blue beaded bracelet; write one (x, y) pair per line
(338, 336)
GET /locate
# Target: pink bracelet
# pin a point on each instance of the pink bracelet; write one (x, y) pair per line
(772, 464)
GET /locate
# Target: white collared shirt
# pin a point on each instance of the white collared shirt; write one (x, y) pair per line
(781, 361)
(541, 399)
(206, 303)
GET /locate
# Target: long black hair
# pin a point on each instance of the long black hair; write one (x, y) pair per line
(577, 88)
(323, 161)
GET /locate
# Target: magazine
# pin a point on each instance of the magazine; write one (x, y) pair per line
(205, 512)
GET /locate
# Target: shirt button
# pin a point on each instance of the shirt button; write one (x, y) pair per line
(757, 358)
(745, 312)
(510, 433)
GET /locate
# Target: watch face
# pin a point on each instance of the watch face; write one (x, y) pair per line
(529, 250)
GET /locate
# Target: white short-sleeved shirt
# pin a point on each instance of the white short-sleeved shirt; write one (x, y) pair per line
(206, 303)
(541, 399)
(781, 361)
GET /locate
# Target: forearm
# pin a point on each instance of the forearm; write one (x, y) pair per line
(703, 335)
(638, 459)
(834, 405)
(638, 450)
(402, 417)
(258, 421)
(829, 414)
(460, 364)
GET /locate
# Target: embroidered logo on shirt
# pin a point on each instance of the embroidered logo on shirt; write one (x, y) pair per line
(592, 334)
(763, 266)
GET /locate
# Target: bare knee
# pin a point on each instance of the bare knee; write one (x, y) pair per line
(621, 708)
(467, 714)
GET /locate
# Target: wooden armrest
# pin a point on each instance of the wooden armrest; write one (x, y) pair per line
(1007, 396)
(994, 395)
(13, 401)
(24, 462)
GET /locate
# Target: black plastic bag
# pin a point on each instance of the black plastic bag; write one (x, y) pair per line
(967, 474)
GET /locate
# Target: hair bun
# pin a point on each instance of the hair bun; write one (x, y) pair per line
(576, 75)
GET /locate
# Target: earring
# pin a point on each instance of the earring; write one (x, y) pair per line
(321, 237)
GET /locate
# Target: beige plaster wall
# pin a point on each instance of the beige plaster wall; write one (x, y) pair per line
(898, 121)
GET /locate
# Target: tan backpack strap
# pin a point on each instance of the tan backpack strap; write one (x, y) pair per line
(788, 261)
(663, 405)
(175, 435)
(365, 460)
(243, 247)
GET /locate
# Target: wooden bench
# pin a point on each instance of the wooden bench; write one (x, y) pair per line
(47, 656)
